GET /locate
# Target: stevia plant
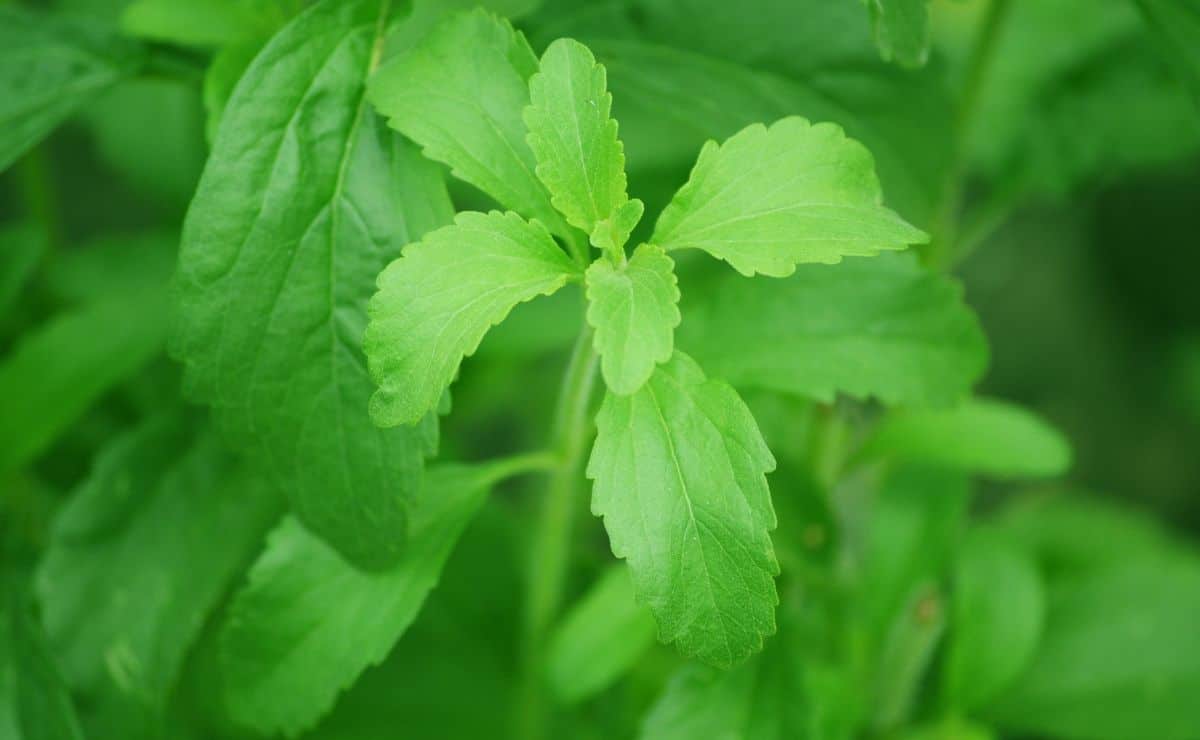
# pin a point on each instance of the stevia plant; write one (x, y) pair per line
(320, 464)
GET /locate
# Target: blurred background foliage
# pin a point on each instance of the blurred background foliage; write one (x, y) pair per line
(1058, 170)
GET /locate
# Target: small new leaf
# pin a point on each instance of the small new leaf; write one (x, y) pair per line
(770, 198)
(634, 309)
(580, 159)
(437, 301)
(459, 94)
(901, 30)
(680, 480)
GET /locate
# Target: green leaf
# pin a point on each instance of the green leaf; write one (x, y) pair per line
(49, 68)
(634, 310)
(1119, 659)
(145, 525)
(679, 470)
(205, 22)
(883, 327)
(111, 266)
(670, 101)
(58, 370)
(223, 73)
(435, 304)
(901, 30)
(978, 436)
(1178, 24)
(21, 248)
(301, 205)
(307, 623)
(599, 639)
(580, 159)
(43, 705)
(771, 198)
(460, 94)
(997, 613)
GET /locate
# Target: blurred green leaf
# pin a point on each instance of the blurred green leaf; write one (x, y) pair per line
(135, 562)
(308, 623)
(901, 30)
(61, 368)
(599, 638)
(1119, 659)
(882, 327)
(111, 265)
(460, 94)
(977, 436)
(1092, 105)
(206, 22)
(1178, 23)
(300, 206)
(49, 68)
(997, 612)
(43, 706)
(223, 73)
(21, 247)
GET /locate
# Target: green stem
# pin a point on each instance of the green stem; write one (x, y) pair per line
(529, 462)
(551, 539)
(945, 225)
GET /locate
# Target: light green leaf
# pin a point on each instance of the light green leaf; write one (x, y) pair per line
(883, 327)
(301, 205)
(167, 520)
(1119, 658)
(599, 639)
(58, 370)
(43, 705)
(308, 623)
(771, 198)
(979, 436)
(997, 613)
(21, 248)
(901, 30)
(460, 94)
(670, 101)
(49, 68)
(205, 22)
(435, 304)
(580, 159)
(679, 470)
(634, 310)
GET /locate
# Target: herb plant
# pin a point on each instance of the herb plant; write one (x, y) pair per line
(315, 457)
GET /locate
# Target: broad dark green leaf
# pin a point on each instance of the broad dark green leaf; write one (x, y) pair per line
(997, 611)
(1119, 658)
(435, 304)
(901, 30)
(143, 552)
(460, 94)
(978, 436)
(20, 249)
(599, 638)
(770, 198)
(49, 68)
(43, 706)
(679, 470)
(882, 327)
(308, 623)
(633, 308)
(61, 368)
(301, 205)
